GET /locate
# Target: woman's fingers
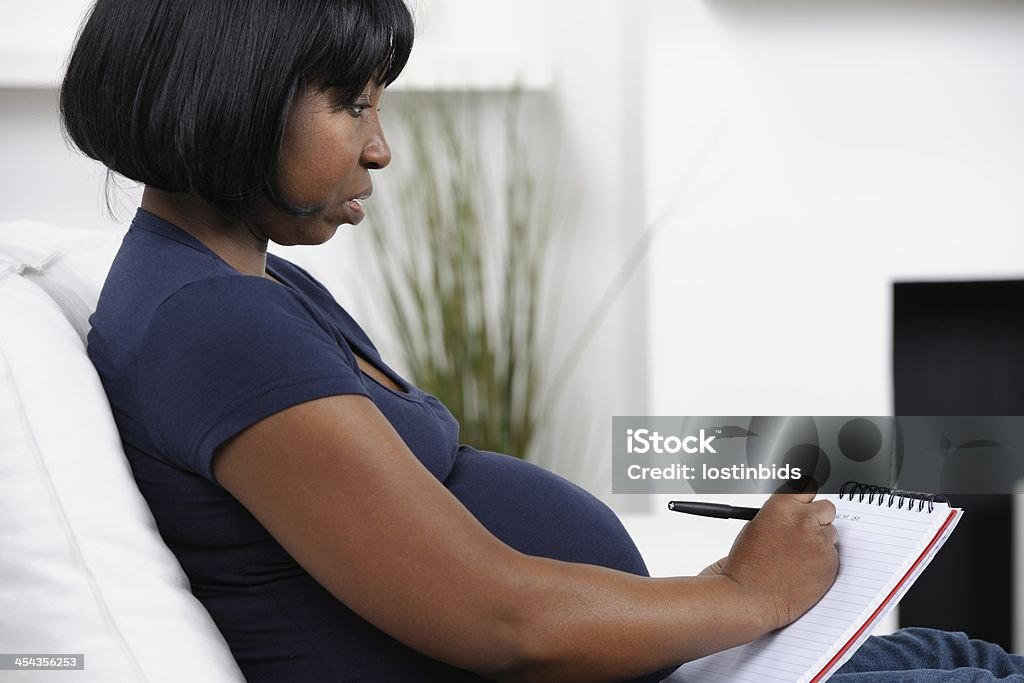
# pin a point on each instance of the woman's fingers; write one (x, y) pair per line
(824, 511)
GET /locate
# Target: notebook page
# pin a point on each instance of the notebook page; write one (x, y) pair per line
(894, 600)
(878, 546)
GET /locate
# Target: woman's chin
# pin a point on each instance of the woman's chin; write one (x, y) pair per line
(326, 231)
(309, 235)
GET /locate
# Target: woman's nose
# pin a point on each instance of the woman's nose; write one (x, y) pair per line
(376, 153)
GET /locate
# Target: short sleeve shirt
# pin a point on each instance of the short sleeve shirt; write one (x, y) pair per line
(191, 352)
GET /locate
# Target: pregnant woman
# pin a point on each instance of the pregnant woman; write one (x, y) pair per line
(322, 507)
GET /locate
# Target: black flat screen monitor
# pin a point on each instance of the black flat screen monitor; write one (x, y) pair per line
(958, 349)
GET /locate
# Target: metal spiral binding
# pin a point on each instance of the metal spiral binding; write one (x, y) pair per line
(862, 491)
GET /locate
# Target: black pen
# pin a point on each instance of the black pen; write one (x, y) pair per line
(712, 510)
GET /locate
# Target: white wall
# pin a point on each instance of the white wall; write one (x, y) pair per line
(41, 178)
(841, 146)
(806, 155)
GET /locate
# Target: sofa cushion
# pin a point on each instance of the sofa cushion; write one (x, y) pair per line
(83, 568)
(69, 264)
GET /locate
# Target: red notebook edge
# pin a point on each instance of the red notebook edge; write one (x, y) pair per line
(935, 539)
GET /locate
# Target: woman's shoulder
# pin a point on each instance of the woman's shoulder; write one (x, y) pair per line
(232, 305)
(133, 313)
(295, 273)
(316, 292)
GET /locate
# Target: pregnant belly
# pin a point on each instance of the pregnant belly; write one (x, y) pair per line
(539, 513)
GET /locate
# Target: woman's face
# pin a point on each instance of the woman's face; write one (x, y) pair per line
(327, 153)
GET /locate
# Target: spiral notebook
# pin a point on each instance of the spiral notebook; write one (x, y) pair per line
(886, 539)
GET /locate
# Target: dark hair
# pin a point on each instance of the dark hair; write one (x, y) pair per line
(193, 95)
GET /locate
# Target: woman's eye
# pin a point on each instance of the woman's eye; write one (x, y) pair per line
(356, 109)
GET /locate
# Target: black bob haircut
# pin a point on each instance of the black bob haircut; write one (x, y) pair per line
(193, 95)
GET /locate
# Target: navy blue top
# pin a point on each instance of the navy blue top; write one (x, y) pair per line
(191, 352)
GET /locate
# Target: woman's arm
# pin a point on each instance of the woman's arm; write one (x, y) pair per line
(334, 483)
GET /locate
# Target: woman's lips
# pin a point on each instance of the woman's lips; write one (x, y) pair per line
(356, 210)
(355, 206)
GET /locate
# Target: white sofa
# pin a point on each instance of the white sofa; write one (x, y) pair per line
(83, 569)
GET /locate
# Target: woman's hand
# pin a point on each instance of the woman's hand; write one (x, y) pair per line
(786, 557)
